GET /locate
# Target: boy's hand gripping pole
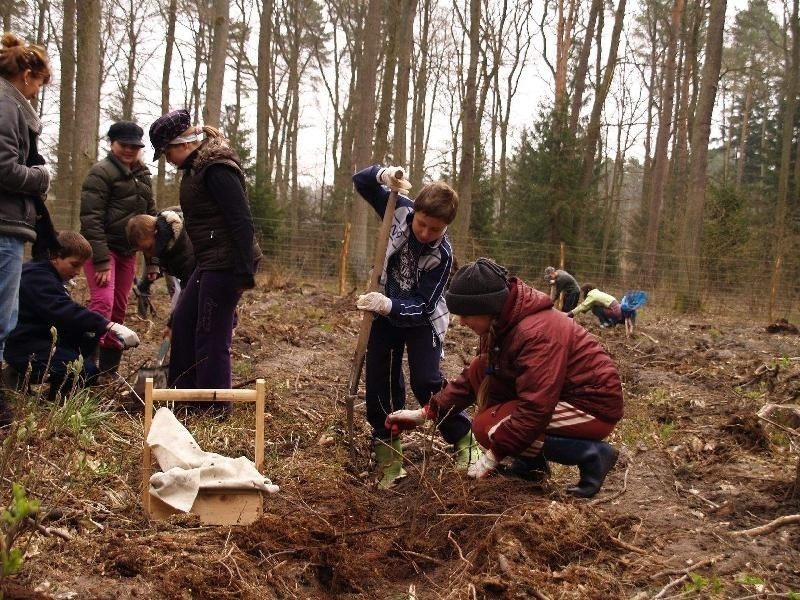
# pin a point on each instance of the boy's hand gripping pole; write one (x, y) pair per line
(357, 365)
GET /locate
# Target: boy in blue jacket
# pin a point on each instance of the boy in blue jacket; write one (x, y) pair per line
(411, 314)
(44, 303)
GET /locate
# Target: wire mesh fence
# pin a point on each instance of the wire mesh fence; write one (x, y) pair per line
(735, 286)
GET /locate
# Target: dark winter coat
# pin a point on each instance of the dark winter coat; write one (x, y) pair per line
(111, 194)
(43, 303)
(22, 185)
(216, 212)
(543, 357)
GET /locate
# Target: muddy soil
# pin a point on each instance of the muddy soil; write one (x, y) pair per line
(697, 466)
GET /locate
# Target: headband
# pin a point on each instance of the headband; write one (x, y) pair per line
(192, 137)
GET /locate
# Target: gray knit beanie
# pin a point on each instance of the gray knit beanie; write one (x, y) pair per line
(478, 288)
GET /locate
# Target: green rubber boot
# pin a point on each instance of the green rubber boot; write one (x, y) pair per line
(468, 452)
(390, 462)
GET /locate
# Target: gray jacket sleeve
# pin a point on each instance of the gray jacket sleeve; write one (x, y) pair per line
(94, 205)
(14, 175)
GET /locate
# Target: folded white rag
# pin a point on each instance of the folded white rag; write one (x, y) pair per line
(187, 468)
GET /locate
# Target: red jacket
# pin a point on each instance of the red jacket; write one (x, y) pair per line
(544, 357)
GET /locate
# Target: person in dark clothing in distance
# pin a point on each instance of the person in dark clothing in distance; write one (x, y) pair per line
(44, 304)
(217, 218)
(562, 282)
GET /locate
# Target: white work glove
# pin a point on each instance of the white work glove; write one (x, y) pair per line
(46, 177)
(394, 179)
(484, 467)
(126, 336)
(402, 420)
(374, 301)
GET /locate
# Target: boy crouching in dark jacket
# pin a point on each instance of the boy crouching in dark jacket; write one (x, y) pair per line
(44, 303)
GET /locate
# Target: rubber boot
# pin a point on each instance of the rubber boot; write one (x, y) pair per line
(533, 469)
(467, 452)
(593, 457)
(389, 457)
(109, 359)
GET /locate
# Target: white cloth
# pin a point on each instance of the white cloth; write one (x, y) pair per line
(187, 468)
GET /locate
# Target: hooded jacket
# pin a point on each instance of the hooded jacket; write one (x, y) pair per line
(543, 357)
(111, 194)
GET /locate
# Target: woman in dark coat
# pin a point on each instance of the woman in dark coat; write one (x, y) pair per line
(213, 198)
(545, 388)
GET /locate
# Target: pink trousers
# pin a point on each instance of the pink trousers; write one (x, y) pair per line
(111, 300)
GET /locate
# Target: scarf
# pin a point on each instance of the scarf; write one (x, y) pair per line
(31, 118)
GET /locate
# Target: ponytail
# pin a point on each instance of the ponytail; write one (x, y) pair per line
(492, 352)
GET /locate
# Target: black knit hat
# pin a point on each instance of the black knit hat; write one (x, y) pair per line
(478, 288)
(126, 132)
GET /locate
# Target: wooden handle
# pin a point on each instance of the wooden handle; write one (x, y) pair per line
(204, 395)
(374, 283)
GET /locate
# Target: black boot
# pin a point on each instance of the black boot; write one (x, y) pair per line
(533, 469)
(593, 457)
(108, 359)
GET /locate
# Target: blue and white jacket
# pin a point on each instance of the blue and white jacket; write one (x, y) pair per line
(425, 303)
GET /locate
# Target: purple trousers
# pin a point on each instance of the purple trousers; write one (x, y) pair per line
(202, 325)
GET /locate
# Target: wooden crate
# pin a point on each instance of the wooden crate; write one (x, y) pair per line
(214, 506)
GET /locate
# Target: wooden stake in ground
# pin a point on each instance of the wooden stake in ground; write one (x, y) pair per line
(367, 316)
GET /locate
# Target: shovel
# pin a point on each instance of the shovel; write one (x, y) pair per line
(157, 370)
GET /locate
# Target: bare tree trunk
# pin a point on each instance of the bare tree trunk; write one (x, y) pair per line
(470, 132)
(5, 14)
(387, 84)
(743, 133)
(262, 98)
(660, 160)
(420, 100)
(165, 76)
(651, 103)
(583, 66)
(216, 67)
(565, 25)
(405, 41)
(87, 84)
(688, 297)
(363, 111)
(66, 112)
(781, 208)
(200, 55)
(593, 129)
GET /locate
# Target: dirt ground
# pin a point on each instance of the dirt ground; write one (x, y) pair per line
(696, 467)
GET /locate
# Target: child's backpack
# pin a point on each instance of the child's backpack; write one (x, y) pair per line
(631, 301)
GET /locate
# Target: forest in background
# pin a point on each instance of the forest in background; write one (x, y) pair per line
(663, 156)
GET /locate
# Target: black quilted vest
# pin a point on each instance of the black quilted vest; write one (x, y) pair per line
(203, 219)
